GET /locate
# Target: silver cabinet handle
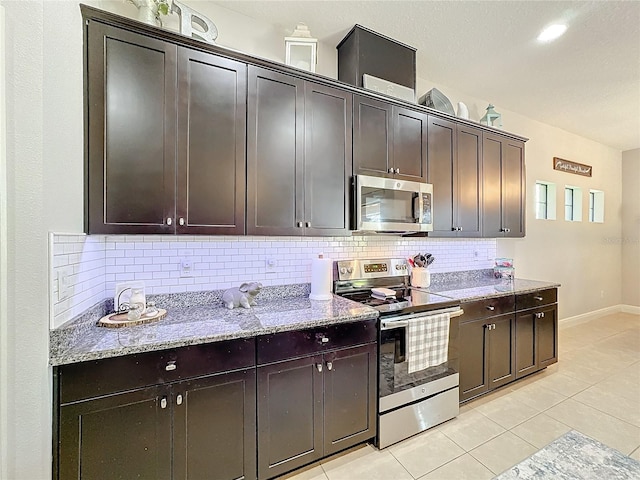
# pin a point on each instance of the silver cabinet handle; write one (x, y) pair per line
(329, 365)
(308, 224)
(319, 367)
(390, 170)
(397, 170)
(324, 340)
(179, 399)
(169, 221)
(171, 366)
(491, 308)
(163, 402)
(299, 224)
(181, 221)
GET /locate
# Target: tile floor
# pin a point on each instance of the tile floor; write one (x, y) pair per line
(594, 388)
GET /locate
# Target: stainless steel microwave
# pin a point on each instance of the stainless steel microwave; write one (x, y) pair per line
(392, 206)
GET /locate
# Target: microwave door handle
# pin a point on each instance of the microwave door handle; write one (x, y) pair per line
(420, 207)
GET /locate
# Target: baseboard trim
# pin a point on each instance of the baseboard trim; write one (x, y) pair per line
(585, 317)
(630, 309)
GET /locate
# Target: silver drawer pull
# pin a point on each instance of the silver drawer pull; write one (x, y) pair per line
(179, 399)
(491, 308)
(169, 221)
(171, 366)
(163, 402)
(324, 340)
(319, 367)
(538, 298)
(181, 222)
(329, 365)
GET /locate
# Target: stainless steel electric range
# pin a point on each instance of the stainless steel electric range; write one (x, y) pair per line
(408, 403)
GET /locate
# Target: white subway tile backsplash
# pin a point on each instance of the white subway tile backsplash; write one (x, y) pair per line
(101, 261)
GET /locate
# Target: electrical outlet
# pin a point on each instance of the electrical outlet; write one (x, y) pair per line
(270, 265)
(65, 289)
(186, 267)
(601, 293)
(476, 254)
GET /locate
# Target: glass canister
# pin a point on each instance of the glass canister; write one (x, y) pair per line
(137, 298)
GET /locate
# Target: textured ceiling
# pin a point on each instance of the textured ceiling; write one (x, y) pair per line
(587, 82)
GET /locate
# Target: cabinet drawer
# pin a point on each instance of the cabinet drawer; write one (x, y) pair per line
(285, 345)
(95, 378)
(488, 307)
(536, 299)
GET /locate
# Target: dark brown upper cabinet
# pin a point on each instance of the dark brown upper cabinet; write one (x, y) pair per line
(503, 196)
(299, 156)
(211, 144)
(130, 124)
(165, 136)
(454, 155)
(388, 140)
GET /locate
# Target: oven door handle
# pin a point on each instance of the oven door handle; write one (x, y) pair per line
(391, 324)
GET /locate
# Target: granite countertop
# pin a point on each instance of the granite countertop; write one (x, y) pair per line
(195, 318)
(82, 340)
(488, 287)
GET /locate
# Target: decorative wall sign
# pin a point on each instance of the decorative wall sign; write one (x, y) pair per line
(572, 167)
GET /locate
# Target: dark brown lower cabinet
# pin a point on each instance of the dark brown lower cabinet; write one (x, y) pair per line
(201, 428)
(180, 414)
(314, 406)
(536, 339)
(487, 355)
(122, 436)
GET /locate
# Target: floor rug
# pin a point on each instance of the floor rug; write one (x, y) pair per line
(575, 456)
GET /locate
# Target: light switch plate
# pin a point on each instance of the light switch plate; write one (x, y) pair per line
(65, 287)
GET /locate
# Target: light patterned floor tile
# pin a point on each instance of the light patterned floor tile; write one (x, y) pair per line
(603, 427)
(311, 472)
(538, 397)
(507, 411)
(471, 429)
(366, 463)
(424, 453)
(503, 452)
(464, 467)
(540, 430)
(562, 384)
(609, 400)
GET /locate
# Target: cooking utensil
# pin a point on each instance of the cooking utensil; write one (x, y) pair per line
(410, 260)
(419, 260)
(430, 259)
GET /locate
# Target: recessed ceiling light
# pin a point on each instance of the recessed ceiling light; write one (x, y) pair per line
(551, 33)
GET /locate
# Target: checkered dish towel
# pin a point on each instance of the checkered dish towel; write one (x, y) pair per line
(427, 341)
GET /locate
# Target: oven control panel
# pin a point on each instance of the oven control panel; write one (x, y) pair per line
(370, 268)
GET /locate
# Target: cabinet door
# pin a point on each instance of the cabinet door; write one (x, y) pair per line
(513, 188)
(327, 160)
(473, 358)
(526, 355)
(350, 393)
(289, 415)
(372, 137)
(211, 144)
(214, 427)
(501, 350)
(441, 154)
(547, 336)
(491, 186)
(119, 437)
(130, 109)
(409, 144)
(275, 134)
(468, 182)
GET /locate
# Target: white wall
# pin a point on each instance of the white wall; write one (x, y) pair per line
(44, 193)
(630, 238)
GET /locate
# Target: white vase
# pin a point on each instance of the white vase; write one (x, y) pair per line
(147, 11)
(463, 111)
